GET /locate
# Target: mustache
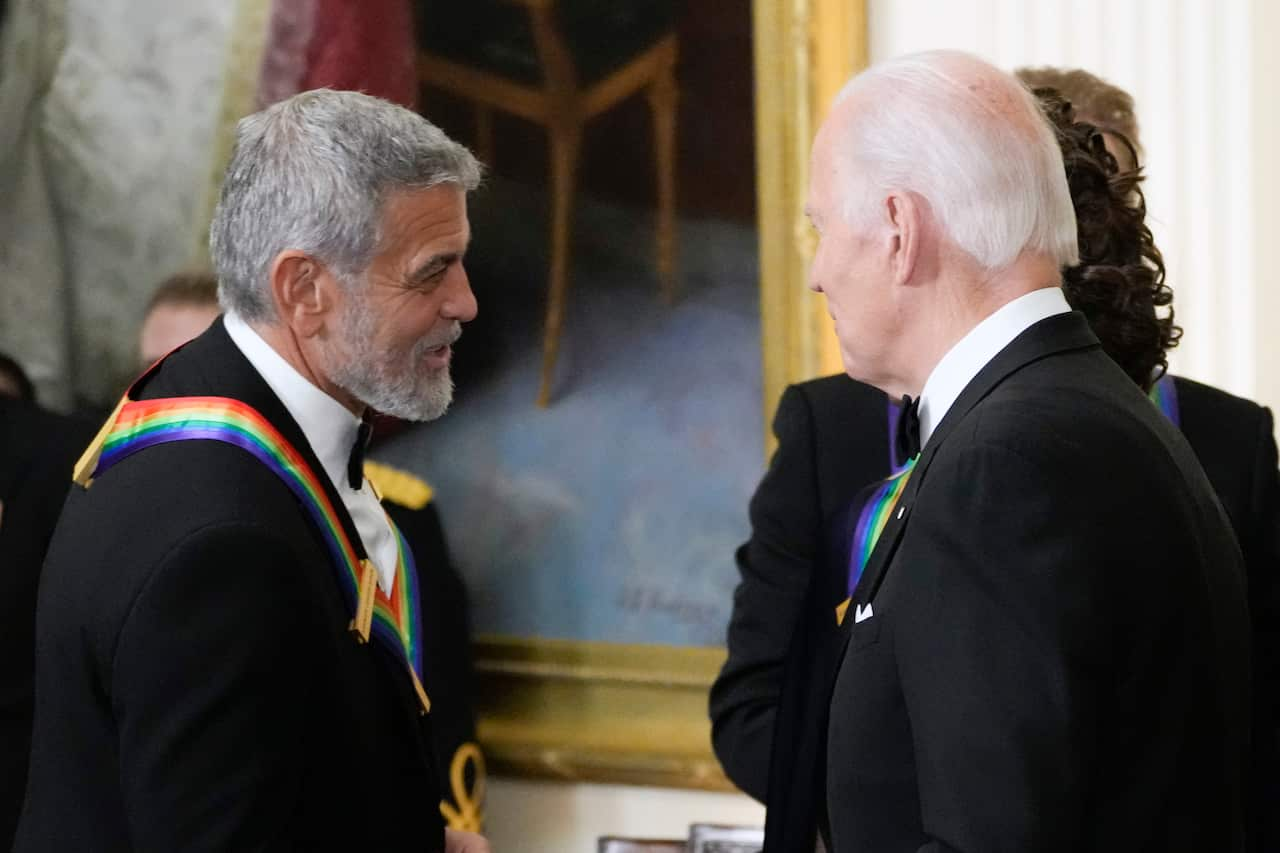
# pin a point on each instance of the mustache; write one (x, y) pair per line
(445, 339)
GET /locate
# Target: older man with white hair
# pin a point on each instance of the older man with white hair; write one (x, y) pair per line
(1046, 640)
(229, 649)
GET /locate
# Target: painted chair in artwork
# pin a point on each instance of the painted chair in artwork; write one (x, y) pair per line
(560, 63)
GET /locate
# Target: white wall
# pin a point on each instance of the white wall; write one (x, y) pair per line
(1198, 70)
(525, 816)
(1264, 136)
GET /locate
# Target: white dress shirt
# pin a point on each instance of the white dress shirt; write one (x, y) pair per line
(330, 428)
(972, 352)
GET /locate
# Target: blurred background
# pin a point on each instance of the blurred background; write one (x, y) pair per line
(608, 429)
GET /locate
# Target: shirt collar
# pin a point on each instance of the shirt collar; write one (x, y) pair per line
(330, 428)
(972, 352)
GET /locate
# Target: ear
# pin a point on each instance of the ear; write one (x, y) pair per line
(303, 290)
(906, 227)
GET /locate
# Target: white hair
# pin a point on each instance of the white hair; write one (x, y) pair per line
(312, 173)
(942, 125)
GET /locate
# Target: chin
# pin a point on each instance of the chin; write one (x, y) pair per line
(852, 368)
(432, 397)
(861, 372)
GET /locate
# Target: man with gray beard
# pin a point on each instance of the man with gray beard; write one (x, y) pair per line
(229, 648)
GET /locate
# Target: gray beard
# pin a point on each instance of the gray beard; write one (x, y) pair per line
(393, 383)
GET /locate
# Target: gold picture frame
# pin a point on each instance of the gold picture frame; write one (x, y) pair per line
(637, 714)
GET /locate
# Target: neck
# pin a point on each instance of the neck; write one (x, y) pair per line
(960, 302)
(281, 338)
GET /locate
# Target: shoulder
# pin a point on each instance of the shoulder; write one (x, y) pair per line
(36, 443)
(398, 486)
(130, 520)
(208, 482)
(410, 501)
(1078, 427)
(1233, 439)
(32, 421)
(1197, 400)
(839, 412)
(840, 394)
(1224, 430)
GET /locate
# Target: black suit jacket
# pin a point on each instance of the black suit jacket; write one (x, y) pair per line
(37, 452)
(1234, 440)
(832, 440)
(783, 640)
(1055, 650)
(197, 687)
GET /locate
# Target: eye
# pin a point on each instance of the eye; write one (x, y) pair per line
(428, 279)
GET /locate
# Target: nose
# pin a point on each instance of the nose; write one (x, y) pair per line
(461, 304)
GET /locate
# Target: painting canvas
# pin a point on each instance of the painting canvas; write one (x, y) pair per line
(609, 513)
(596, 534)
(612, 514)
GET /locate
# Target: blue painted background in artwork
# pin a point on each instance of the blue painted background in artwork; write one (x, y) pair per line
(614, 514)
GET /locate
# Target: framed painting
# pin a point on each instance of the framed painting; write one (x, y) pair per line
(596, 532)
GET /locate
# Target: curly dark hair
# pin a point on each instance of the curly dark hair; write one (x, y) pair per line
(1119, 283)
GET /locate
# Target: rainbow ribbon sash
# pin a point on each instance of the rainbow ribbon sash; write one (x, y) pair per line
(874, 515)
(395, 621)
(871, 521)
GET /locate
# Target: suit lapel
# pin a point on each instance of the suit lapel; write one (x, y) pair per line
(1060, 333)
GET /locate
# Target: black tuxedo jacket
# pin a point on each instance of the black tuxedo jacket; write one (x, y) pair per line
(197, 687)
(783, 641)
(37, 452)
(1054, 651)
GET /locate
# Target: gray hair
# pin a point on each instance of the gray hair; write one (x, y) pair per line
(312, 173)
(941, 125)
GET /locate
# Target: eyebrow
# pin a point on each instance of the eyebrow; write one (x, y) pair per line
(434, 264)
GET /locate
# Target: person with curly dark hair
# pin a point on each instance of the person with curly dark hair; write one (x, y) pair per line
(836, 436)
(1119, 283)
(1119, 286)
(1097, 102)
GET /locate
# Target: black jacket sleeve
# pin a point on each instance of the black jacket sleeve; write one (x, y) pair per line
(447, 660)
(776, 566)
(206, 688)
(1260, 542)
(37, 452)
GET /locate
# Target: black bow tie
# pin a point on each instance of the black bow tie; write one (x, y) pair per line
(355, 465)
(908, 437)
